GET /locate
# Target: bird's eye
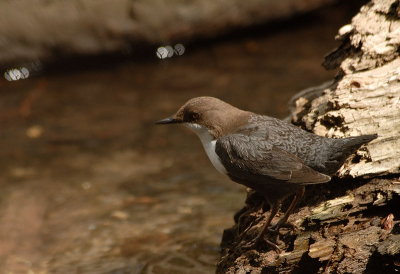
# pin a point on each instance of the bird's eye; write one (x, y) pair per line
(195, 116)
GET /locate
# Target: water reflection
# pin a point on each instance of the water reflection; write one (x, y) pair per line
(91, 185)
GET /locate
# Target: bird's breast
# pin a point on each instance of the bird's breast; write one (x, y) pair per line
(214, 158)
(208, 142)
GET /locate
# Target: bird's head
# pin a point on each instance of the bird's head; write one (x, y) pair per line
(208, 114)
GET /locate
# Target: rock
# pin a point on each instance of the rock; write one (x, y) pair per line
(46, 30)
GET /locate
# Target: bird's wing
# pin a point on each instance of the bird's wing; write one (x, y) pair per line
(243, 153)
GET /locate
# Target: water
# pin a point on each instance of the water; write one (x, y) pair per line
(91, 185)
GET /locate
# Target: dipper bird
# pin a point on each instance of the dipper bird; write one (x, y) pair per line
(266, 154)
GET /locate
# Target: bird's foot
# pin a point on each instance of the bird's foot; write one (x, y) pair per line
(253, 243)
(274, 229)
(289, 225)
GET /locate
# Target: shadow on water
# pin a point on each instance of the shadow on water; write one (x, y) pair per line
(91, 185)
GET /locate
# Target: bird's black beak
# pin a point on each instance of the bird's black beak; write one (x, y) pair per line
(166, 121)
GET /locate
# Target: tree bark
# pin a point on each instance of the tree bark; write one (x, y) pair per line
(348, 225)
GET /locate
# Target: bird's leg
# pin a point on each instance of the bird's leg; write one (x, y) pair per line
(284, 219)
(260, 236)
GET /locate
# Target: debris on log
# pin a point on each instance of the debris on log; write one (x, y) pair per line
(346, 234)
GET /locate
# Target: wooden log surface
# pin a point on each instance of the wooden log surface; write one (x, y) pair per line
(365, 96)
(361, 103)
(351, 224)
(351, 233)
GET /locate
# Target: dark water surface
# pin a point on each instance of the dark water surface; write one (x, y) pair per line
(90, 185)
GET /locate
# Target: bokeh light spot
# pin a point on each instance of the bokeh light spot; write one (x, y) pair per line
(162, 53)
(24, 73)
(170, 51)
(16, 74)
(7, 76)
(34, 132)
(179, 49)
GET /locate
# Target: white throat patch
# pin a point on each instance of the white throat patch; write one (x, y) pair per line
(209, 145)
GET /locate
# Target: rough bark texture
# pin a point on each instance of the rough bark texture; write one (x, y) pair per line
(44, 29)
(365, 97)
(348, 225)
(352, 233)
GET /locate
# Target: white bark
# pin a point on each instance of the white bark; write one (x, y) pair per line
(365, 98)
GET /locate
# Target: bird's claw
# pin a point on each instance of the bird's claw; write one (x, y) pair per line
(253, 243)
(275, 228)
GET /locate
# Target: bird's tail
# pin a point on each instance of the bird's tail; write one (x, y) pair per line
(343, 149)
(351, 144)
(357, 141)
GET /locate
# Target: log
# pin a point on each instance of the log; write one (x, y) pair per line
(341, 235)
(365, 96)
(349, 225)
